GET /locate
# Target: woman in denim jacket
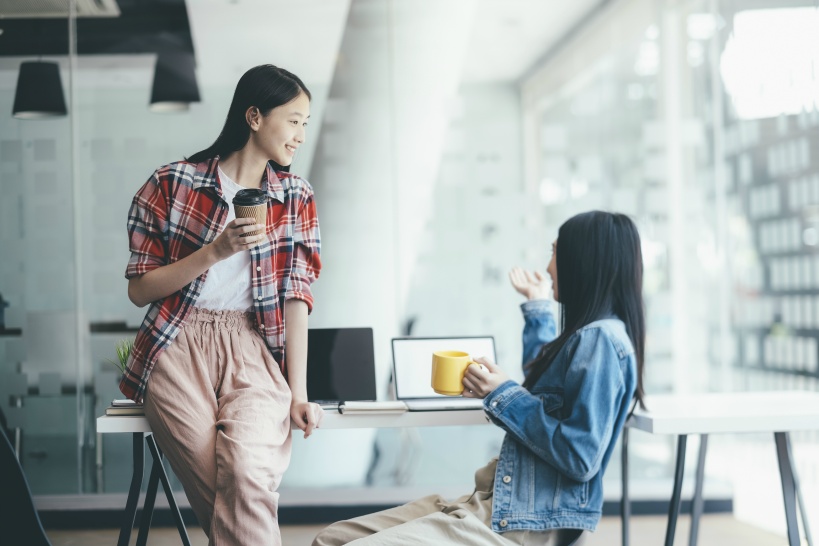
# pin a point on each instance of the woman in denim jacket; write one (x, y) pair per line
(546, 486)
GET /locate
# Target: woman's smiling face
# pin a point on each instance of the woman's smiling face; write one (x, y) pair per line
(279, 134)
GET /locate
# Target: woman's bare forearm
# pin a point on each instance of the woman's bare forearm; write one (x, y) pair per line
(167, 279)
(295, 332)
(164, 281)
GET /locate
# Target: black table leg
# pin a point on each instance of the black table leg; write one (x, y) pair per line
(625, 503)
(788, 486)
(697, 501)
(133, 492)
(799, 500)
(674, 508)
(166, 485)
(148, 505)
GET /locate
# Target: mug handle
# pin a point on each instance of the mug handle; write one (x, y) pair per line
(478, 364)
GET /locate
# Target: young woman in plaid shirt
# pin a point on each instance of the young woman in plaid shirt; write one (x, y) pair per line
(219, 374)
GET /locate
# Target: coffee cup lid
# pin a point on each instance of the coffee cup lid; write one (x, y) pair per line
(250, 197)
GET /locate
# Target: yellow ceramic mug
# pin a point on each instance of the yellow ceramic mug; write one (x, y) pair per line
(448, 369)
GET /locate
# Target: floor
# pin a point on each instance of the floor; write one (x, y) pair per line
(716, 530)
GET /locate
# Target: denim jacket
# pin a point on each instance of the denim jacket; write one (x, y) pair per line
(560, 436)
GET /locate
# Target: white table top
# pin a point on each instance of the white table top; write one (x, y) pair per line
(113, 424)
(712, 413)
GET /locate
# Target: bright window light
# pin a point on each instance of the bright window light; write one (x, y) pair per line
(578, 187)
(769, 62)
(551, 192)
(701, 26)
(696, 54)
(648, 59)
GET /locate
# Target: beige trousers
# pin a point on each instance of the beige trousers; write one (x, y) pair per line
(219, 408)
(433, 520)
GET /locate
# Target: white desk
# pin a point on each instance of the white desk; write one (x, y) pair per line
(140, 429)
(680, 415)
(717, 413)
(332, 420)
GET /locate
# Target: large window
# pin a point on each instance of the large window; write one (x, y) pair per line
(699, 120)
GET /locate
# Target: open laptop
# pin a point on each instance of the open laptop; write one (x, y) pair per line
(340, 365)
(412, 370)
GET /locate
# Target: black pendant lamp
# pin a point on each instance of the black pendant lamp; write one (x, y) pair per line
(39, 92)
(174, 85)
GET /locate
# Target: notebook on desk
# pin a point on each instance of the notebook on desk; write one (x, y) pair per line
(412, 369)
(124, 407)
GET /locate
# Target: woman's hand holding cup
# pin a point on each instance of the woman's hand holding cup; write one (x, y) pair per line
(483, 377)
(234, 238)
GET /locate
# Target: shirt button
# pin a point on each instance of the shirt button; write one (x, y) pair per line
(507, 479)
(495, 404)
(503, 523)
(261, 326)
(258, 268)
(260, 298)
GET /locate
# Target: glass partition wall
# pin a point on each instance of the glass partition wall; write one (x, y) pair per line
(44, 386)
(41, 387)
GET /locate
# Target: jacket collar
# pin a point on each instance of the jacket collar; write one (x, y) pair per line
(206, 176)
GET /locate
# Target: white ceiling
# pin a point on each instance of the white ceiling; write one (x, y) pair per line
(230, 36)
(509, 36)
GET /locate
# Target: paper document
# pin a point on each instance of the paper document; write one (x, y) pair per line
(372, 407)
(123, 403)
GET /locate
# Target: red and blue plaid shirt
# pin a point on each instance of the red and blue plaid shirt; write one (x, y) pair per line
(179, 210)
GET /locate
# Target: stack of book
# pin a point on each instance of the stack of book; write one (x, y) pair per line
(124, 407)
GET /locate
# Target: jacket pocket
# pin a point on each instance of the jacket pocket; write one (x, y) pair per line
(551, 398)
(573, 494)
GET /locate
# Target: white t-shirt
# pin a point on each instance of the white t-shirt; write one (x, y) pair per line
(227, 286)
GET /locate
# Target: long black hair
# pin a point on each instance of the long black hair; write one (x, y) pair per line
(265, 87)
(599, 273)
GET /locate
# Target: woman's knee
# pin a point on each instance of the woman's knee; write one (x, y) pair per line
(329, 536)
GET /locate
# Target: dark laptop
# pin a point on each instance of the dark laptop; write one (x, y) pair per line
(340, 365)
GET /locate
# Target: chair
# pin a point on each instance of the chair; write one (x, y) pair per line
(574, 537)
(19, 521)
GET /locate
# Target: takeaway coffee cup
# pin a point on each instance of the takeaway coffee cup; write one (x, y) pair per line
(448, 369)
(251, 203)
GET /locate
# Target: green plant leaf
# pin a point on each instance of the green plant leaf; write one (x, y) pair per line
(123, 349)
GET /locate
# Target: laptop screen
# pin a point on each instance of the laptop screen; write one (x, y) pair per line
(340, 364)
(412, 361)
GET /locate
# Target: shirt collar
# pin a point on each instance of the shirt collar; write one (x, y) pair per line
(206, 177)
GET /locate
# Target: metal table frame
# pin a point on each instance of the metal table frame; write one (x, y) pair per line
(791, 492)
(157, 474)
(139, 428)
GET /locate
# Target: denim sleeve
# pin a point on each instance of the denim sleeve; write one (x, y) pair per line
(538, 329)
(592, 393)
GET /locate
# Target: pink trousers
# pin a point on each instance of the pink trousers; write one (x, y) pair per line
(219, 408)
